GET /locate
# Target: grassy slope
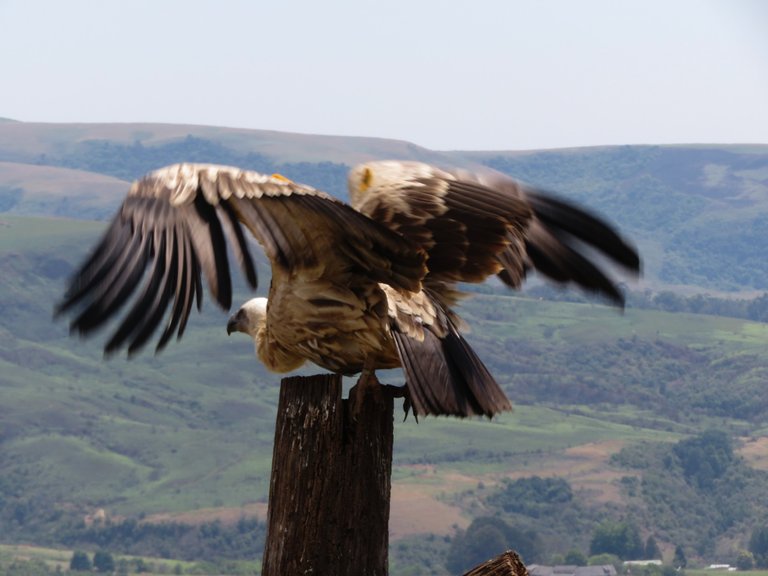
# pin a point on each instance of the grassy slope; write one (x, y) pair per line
(52, 190)
(28, 141)
(162, 435)
(59, 559)
(173, 433)
(698, 213)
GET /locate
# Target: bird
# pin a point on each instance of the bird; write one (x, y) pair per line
(356, 287)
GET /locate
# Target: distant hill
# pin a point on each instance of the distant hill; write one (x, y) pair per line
(186, 436)
(30, 189)
(39, 142)
(698, 213)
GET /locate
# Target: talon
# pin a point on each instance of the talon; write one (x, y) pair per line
(395, 391)
(407, 407)
(369, 380)
(401, 392)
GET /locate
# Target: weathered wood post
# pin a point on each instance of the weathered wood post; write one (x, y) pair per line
(506, 564)
(331, 478)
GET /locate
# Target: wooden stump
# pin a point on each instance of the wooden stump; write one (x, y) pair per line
(506, 564)
(331, 479)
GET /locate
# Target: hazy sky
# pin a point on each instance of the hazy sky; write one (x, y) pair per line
(446, 74)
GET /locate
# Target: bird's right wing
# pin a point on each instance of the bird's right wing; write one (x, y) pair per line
(176, 225)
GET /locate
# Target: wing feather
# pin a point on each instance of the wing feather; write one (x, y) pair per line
(585, 227)
(426, 375)
(141, 312)
(194, 284)
(181, 292)
(556, 258)
(446, 377)
(116, 278)
(160, 295)
(462, 224)
(97, 266)
(474, 226)
(178, 223)
(238, 242)
(210, 245)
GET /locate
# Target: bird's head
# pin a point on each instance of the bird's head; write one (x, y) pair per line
(381, 174)
(249, 318)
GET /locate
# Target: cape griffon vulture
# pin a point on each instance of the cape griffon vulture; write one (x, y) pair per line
(354, 287)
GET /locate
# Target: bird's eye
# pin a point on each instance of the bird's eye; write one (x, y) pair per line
(365, 182)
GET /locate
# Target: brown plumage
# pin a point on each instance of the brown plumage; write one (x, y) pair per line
(356, 287)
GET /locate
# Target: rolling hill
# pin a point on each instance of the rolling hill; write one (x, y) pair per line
(174, 438)
(698, 213)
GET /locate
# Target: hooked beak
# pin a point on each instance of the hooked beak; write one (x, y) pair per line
(234, 323)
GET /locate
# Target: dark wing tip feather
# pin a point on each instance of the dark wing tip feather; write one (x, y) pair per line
(587, 227)
(566, 243)
(562, 263)
(93, 268)
(239, 244)
(172, 247)
(211, 248)
(483, 390)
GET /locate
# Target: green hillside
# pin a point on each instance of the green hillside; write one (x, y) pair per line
(173, 451)
(34, 190)
(698, 213)
(158, 436)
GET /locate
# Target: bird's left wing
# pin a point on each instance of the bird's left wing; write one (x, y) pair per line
(176, 224)
(476, 225)
(462, 225)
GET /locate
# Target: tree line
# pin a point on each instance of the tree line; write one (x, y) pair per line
(131, 161)
(754, 309)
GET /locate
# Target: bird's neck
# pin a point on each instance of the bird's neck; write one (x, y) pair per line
(273, 354)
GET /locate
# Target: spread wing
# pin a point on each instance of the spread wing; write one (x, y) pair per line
(176, 225)
(474, 226)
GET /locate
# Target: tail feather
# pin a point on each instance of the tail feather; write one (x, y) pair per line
(445, 377)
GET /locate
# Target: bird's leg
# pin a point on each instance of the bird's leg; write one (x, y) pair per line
(366, 384)
(401, 392)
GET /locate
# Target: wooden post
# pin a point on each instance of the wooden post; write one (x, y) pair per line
(331, 479)
(506, 564)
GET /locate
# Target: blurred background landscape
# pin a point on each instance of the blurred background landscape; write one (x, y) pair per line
(647, 426)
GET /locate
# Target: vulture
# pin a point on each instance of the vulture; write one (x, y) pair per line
(355, 287)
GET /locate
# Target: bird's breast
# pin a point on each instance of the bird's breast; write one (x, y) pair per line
(336, 327)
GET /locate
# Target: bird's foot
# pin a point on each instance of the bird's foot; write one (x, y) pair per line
(367, 384)
(401, 392)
